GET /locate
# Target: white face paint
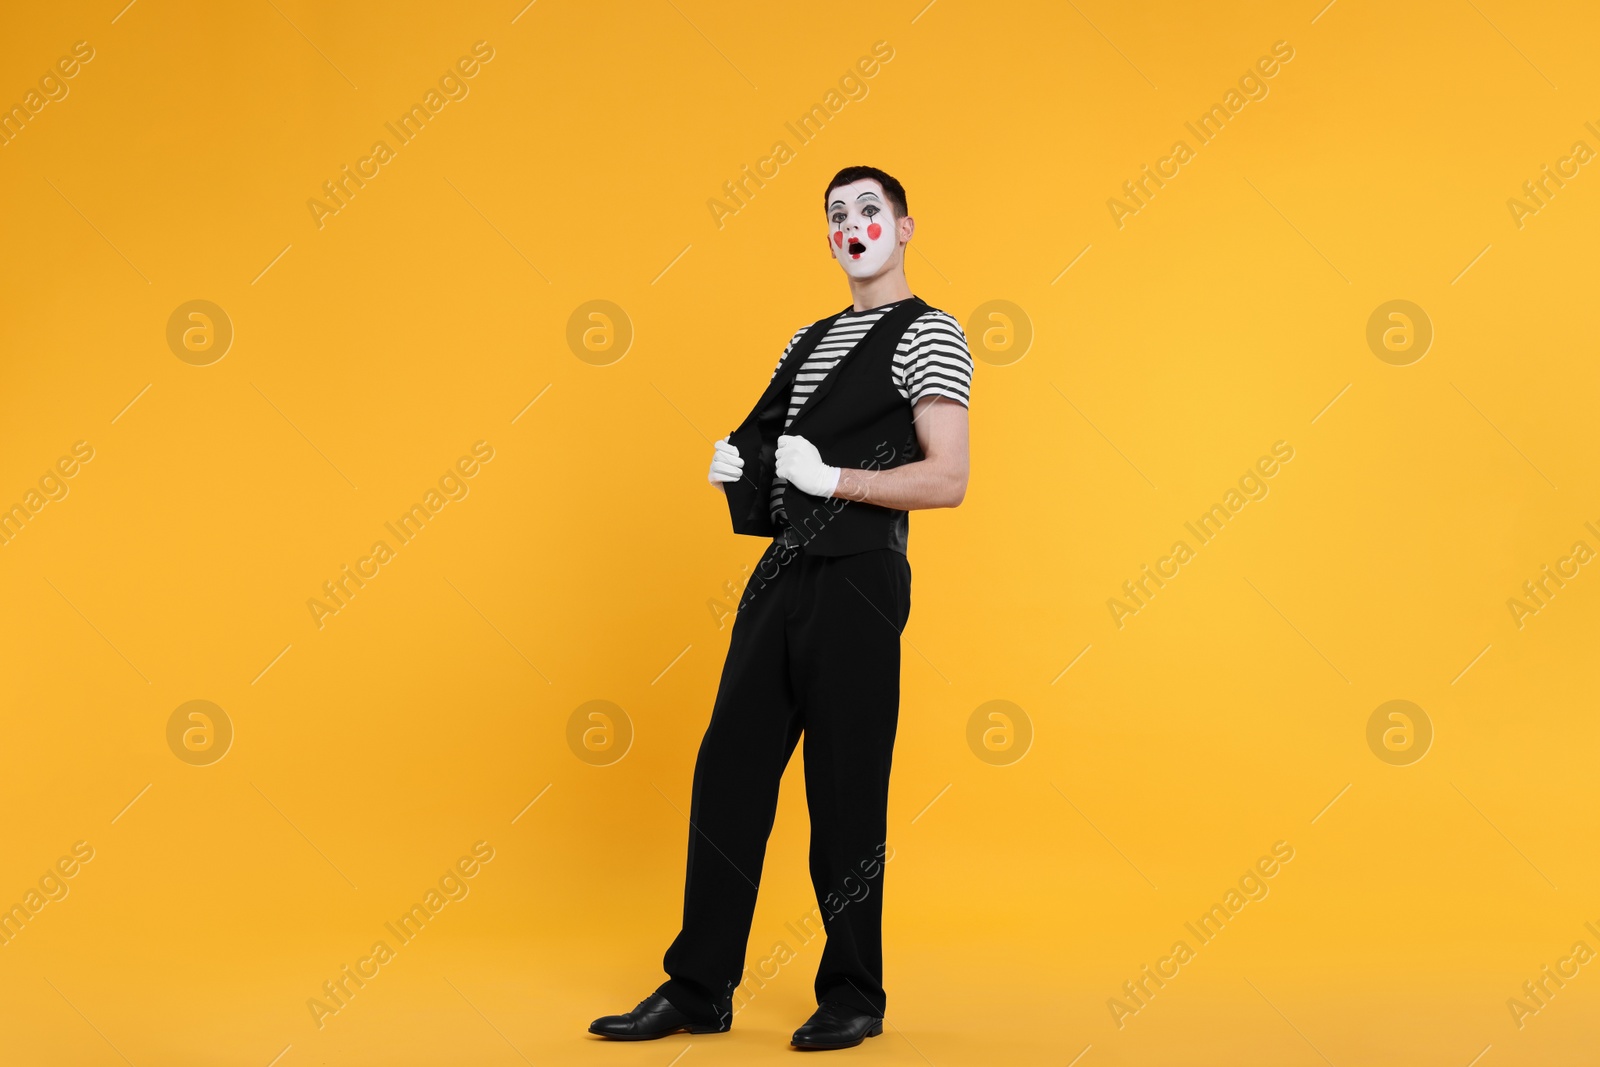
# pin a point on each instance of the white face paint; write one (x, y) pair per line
(861, 227)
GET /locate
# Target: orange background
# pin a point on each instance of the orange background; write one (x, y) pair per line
(585, 560)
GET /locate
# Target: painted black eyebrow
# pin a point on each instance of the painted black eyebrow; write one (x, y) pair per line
(863, 195)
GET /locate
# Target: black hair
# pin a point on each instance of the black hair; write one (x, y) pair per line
(891, 187)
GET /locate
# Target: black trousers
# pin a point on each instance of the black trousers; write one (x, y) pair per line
(815, 650)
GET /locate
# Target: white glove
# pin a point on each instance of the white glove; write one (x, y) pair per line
(726, 463)
(799, 464)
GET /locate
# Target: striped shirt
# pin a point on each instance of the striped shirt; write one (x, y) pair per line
(931, 360)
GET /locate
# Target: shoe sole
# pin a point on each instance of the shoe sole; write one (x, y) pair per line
(658, 1036)
(877, 1028)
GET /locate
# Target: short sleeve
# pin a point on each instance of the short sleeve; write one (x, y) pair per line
(937, 362)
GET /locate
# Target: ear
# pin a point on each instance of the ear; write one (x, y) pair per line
(907, 226)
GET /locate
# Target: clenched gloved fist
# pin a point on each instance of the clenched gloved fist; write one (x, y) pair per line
(799, 464)
(726, 463)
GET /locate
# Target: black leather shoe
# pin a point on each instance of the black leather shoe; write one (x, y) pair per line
(835, 1025)
(654, 1017)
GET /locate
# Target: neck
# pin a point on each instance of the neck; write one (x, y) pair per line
(884, 289)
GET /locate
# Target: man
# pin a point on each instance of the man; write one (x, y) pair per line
(864, 418)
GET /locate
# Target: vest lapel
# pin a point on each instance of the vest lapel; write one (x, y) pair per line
(896, 319)
(777, 391)
(756, 438)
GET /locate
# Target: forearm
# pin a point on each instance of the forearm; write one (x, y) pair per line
(927, 483)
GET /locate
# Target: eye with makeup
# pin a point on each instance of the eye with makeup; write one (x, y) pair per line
(869, 210)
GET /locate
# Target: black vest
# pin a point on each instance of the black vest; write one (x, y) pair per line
(865, 424)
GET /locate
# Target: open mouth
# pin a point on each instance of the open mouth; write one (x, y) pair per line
(856, 248)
